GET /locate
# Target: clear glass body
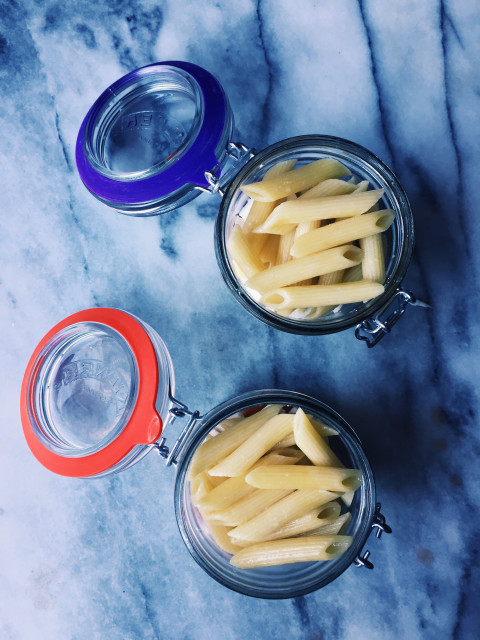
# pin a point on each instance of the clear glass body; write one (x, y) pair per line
(289, 580)
(86, 387)
(364, 166)
(145, 128)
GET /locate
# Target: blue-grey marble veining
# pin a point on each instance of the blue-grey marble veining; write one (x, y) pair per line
(88, 560)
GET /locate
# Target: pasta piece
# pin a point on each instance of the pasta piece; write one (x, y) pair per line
(260, 211)
(317, 295)
(211, 451)
(242, 253)
(225, 494)
(249, 506)
(233, 489)
(338, 233)
(303, 477)
(331, 187)
(292, 506)
(354, 274)
(311, 442)
(335, 277)
(263, 439)
(286, 452)
(220, 535)
(347, 498)
(337, 526)
(286, 442)
(266, 554)
(200, 486)
(361, 186)
(311, 521)
(373, 261)
(284, 246)
(284, 217)
(296, 180)
(307, 267)
(268, 253)
(322, 428)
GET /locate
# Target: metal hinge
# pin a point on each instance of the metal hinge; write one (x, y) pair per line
(373, 329)
(240, 155)
(380, 525)
(178, 410)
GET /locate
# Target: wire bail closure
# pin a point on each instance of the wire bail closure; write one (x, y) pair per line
(178, 410)
(373, 329)
(240, 155)
(380, 526)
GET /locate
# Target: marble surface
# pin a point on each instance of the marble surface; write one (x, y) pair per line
(103, 559)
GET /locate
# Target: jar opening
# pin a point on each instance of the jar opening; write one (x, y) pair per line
(205, 543)
(398, 239)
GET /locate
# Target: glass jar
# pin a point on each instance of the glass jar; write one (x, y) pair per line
(161, 135)
(97, 396)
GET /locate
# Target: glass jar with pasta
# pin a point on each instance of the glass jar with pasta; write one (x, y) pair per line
(314, 233)
(97, 396)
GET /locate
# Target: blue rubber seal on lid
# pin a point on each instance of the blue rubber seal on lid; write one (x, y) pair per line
(188, 169)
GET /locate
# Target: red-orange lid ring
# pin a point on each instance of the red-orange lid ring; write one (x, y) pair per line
(144, 426)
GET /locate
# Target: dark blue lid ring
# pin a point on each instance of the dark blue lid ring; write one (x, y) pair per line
(188, 169)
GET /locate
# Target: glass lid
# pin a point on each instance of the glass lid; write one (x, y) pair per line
(89, 392)
(154, 133)
(86, 389)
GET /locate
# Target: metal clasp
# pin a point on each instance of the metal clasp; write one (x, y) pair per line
(379, 524)
(240, 155)
(178, 410)
(373, 329)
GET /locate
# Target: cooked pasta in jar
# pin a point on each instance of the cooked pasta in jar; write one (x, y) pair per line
(271, 490)
(310, 239)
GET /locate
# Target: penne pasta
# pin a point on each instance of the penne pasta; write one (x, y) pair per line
(311, 442)
(285, 244)
(286, 215)
(315, 548)
(292, 506)
(310, 266)
(244, 502)
(243, 254)
(220, 535)
(338, 526)
(225, 494)
(268, 253)
(373, 261)
(341, 232)
(303, 477)
(253, 448)
(317, 295)
(354, 274)
(311, 521)
(361, 186)
(200, 486)
(347, 498)
(233, 489)
(295, 180)
(249, 506)
(330, 187)
(211, 451)
(260, 211)
(335, 277)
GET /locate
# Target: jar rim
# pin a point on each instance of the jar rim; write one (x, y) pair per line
(404, 219)
(214, 567)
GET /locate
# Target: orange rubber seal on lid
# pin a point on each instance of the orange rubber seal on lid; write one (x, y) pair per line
(144, 426)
